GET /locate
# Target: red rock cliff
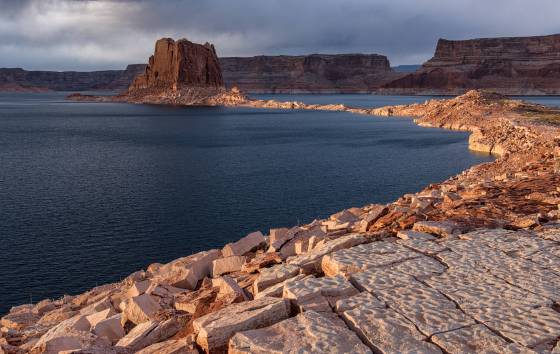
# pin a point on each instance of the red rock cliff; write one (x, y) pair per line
(181, 63)
(517, 65)
(310, 73)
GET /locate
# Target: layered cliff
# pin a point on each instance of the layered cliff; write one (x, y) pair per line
(516, 65)
(11, 78)
(181, 63)
(317, 73)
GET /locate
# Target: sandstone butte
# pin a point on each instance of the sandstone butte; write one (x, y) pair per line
(513, 66)
(468, 265)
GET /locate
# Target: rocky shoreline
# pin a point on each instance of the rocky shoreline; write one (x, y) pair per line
(467, 265)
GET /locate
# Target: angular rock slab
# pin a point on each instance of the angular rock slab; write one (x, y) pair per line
(429, 310)
(277, 290)
(367, 256)
(386, 331)
(187, 271)
(215, 329)
(308, 332)
(244, 245)
(359, 300)
(472, 339)
(148, 333)
(303, 290)
(529, 328)
(311, 262)
(141, 308)
(226, 265)
(274, 275)
(374, 280)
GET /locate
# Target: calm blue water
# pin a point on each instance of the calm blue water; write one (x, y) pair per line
(91, 192)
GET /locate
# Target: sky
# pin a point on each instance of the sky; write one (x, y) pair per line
(109, 34)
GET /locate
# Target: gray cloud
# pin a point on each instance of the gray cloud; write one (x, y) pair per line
(98, 34)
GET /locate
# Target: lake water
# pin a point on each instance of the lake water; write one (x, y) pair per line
(91, 192)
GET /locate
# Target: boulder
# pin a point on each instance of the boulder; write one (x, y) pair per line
(139, 288)
(187, 271)
(311, 262)
(110, 328)
(227, 265)
(141, 308)
(274, 275)
(215, 329)
(148, 333)
(100, 316)
(172, 346)
(261, 260)
(20, 317)
(68, 335)
(244, 245)
(228, 286)
(438, 228)
(308, 332)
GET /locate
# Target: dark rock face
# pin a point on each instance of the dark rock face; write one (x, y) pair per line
(181, 63)
(69, 80)
(517, 65)
(311, 73)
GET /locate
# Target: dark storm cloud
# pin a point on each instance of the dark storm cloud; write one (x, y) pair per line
(90, 34)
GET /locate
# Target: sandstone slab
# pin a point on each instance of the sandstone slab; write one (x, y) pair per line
(141, 308)
(308, 332)
(386, 331)
(303, 290)
(226, 265)
(274, 275)
(244, 245)
(215, 329)
(148, 333)
(367, 256)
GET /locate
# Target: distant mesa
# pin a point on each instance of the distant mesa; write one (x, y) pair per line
(512, 66)
(315, 73)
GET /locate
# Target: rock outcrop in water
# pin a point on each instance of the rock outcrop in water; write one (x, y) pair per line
(177, 64)
(182, 73)
(517, 65)
(317, 73)
(469, 265)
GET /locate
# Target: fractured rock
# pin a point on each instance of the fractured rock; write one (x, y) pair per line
(226, 265)
(385, 331)
(303, 290)
(429, 310)
(439, 228)
(244, 245)
(274, 275)
(148, 333)
(187, 271)
(311, 262)
(141, 308)
(366, 256)
(110, 328)
(530, 328)
(308, 332)
(172, 346)
(215, 329)
(472, 339)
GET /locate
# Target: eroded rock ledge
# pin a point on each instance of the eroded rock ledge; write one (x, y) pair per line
(467, 265)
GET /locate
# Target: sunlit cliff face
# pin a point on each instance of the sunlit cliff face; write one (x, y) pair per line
(101, 34)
